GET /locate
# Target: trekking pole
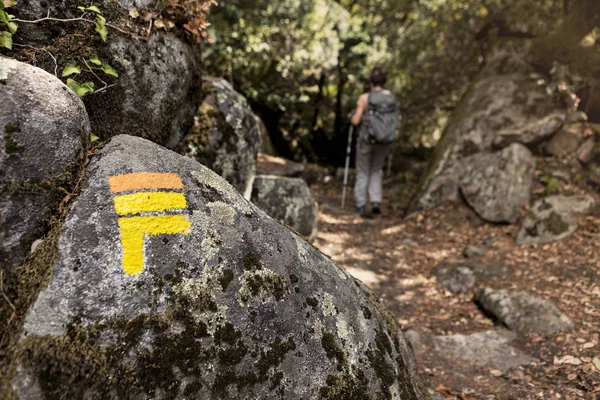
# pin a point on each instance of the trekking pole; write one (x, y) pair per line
(348, 151)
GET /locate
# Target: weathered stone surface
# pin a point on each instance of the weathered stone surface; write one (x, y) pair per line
(593, 166)
(234, 306)
(269, 165)
(44, 128)
(523, 312)
(461, 276)
(566, 141)
(553, 218)
(287, 200)
(456, 278)
(155, 95)
(225, 135)
(498, 185)
(533, 133)
(489, 349)
(585, 152)
(575, 117)
(502, 97)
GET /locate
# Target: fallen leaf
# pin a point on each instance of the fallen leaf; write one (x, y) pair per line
(596, 362)
(496, 372)
(588, 345)
(133, 13)
(568, 360)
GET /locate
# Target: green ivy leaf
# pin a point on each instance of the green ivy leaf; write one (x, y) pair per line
(71, 68)
(3, 16)
(94, 9)
(12, 27)
(80, 90)
(108, 70)
(6, 40)
(94, 138)
(95, 60)
(101, 27)
(81, 8)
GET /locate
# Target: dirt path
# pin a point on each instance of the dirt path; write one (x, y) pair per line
(396, 258)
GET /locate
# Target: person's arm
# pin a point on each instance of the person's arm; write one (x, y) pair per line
(361, 107)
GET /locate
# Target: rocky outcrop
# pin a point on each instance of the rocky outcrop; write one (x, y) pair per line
(502, 97)
(533, 133)
(566, 141)
(497, 186)
(287, 200)
(553, 218)
(225, 135)
(593, 166)
(523, 312)
(44, 129)
(156, 93)
(166, 283)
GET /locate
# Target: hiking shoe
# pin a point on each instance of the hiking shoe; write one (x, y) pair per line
(376, 208)
(362, 211)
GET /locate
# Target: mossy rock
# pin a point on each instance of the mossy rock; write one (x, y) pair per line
(168, 284)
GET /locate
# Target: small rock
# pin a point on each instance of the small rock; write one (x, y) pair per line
(270, 165)
(287, 200)
(575, 117)
(566, 141)
(456, 278)
(471, 251)
(553, 218)
(523, 312)
(584, 154)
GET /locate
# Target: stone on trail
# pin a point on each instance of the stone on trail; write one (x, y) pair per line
(553, 218)
(287, 200)
(502, 97)
(168, 284)
(498, 185)
(523, 312)
(566, 141)
(473, 251)
(44, 128)
(461, 276)
(270, 165)
(225, 135)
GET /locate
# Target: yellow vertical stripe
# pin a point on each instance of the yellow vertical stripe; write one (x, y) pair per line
(132, 236)
(148, 201)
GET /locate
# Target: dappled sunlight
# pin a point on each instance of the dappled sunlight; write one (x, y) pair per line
(367, 277)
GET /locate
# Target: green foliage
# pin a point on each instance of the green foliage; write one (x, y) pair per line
(85, 88)
(71, 68)
(7, 27)
(101, 27)
(80, 89)
(551, 184)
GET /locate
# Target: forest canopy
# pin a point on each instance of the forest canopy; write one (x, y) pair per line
(303, 63)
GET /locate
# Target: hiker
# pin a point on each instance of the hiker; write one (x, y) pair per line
(377, 116)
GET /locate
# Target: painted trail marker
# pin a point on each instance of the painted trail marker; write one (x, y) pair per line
(153, 196)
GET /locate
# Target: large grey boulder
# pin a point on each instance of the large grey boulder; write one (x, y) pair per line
(497, 186)
(523, 312)
(287, 200)
(533, 133)
(44, 129)
(167, 284)
(502, 97)
(156, 93)
(553, 218)
(225, 135)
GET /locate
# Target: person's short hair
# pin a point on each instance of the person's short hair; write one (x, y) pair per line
(378, 77)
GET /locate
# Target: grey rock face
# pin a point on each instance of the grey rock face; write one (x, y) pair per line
(585, 153)
(553, 218)
(523, 312)
(155, 91)
(169, 285)
(593, 166)
(269, 165)
(533, 133)
(44, 128)
(287, 200)
(473, 251)
(225, 135)
(502, 97)
(497, 186)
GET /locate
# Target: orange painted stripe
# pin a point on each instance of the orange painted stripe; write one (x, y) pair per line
(144, 180)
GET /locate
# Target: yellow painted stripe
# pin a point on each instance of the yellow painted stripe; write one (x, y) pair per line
(132, 236)
(136, 203)
(144, 180)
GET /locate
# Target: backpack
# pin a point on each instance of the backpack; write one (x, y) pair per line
(383, 116)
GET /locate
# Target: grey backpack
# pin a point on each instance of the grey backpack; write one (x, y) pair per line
(383, 116)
